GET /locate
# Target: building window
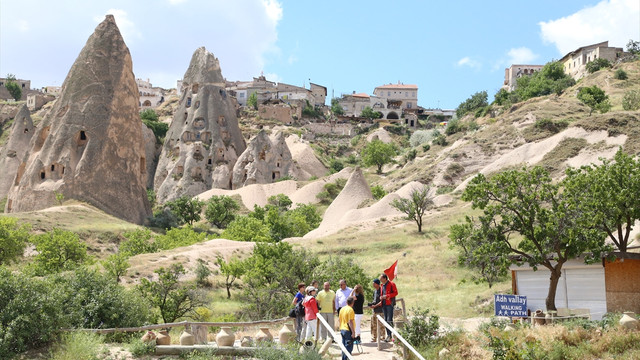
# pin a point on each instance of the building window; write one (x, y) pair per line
(413, 94)
(388, 93)
(241, 95)
(409, 105)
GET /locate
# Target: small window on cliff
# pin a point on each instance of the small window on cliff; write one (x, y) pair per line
(188, 102)
(143, 165)
(53, 168)
(83, 136)
(42, 175)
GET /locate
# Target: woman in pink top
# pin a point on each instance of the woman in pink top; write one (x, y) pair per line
(310, 312)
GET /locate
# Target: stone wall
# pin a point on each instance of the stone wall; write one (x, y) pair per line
(281, 112)
(331, 129)
(622, 284)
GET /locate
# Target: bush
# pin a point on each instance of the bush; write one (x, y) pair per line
(420, 137)
(550, 79)
(631, 100)
(202, 273)
(410, 155)
(439, 139)
(78, 345)
(137, 242)
(331, 191)
(595, 98)
(335, 268)
(426, 147)
(246, 228)
(597, 64)
(12, 86)
(139, 348)
(159, 129)
(221, 210)
(163, 218)
(421, 328)
(178, 237)
(620, 74)
(378, 192)
(335, 166)
(13, 239)
(269, 351)
(186, 208)
(58, 250)
(473, 103)
(550, 125)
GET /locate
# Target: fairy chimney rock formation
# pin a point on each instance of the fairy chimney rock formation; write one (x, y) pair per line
(90, 147)
(204, 139)
(14, 151)
(265, 161)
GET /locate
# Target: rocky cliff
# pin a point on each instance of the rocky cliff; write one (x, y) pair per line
(264, 161)
(13, 153)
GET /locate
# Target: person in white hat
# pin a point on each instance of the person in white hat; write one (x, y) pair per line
(310, 312)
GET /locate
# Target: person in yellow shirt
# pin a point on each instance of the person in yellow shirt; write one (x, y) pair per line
(347, 325)
(326, 300)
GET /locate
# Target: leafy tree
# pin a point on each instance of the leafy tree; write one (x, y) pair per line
(336, 108)
(633, 47)
(163, 218)
(369, 113)
(149, 115)
(378, 153)
(221, 210)
(594, 98)
(620, 74)
(116, 265)
(173, 299)
(331, 191)
(631, 100)
(415, 206)
(137, 242)
(247, 228)
(202, 273)
(378, 192)
(421, 328)
(335, 165)
(453, 127)
(13, 239)
(12, 86)
(280, 201)
(232, 270)
(178, 237)
(607, 196)
(159, 129)
(597, 64)
(475, 102)
(252, 101)
(501, 97)
(58, 250)
(550, 79)
(527, 203)
(187, 209)
(336, 268)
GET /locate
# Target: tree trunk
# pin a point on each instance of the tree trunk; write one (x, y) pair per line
(419, 222)
(550, 302)
(228, 292)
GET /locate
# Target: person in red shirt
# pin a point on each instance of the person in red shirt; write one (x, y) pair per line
(310, 313)
(388, 292)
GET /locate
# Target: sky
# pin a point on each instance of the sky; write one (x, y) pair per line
(450, 49)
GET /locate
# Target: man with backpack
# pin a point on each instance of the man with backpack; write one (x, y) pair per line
(299, 310)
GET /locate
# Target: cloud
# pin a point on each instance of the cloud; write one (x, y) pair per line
(522, 55)
(613, 20)
(467, 61)
(127, 27)
(23, 26)
(273, 77)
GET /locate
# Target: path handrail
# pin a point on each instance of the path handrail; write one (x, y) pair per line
(182, 323)
(399, 337)
(335, 337)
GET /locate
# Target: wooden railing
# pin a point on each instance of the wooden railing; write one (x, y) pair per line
(334, 335)
(399, 337)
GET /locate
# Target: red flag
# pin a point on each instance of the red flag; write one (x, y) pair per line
(392, 271)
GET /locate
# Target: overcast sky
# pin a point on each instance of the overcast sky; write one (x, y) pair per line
(450, 49)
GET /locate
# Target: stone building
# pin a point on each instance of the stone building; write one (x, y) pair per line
(399, 96)
(513, 72)
(35, 101)
(150, 97)
(392, 100)
(575, 62)
(269, 90)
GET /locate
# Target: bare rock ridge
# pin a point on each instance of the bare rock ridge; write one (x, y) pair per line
(264, 161)
(90, 147)
(12, 154)
(204, 140)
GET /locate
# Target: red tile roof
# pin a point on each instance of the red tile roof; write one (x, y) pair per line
(398, 86)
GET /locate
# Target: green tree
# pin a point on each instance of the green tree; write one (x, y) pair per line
(221, 210)
(336, 109)
(475, 102)
(178, 237)
(595, 98)
(116, 265)
(13, 239)
(281, 201)
(633, 47)
(415, 206)
(173, 299)
(549, 80)
(369, 113)
(527, 203)
(607, 196)
(378, 153)
(247, 228)
(58, 250)
(186, 208)
(501, 97)
(137, 242)
(336, 268)
(252, 101)
(150, 119)
(12, 86)
(202, 273)
(378, 192)
(149, 115)
(597, 64)
(232, 270)
(631, 100)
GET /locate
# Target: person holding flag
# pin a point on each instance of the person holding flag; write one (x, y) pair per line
(388, 293)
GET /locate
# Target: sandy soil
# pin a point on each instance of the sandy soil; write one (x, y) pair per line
(380, 134)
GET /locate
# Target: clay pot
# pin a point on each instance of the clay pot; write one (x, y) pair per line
(225, 337)
(286, 334)
(246, 341)
(163, 338)
(538, 317)
(628, 321)
(148, 337)
(263, 335)
(548, 318)
(187, 339)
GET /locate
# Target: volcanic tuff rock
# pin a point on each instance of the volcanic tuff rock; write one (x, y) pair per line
(89, 147)
(150, 151)
(265, 161)
(12, 154)
(204, 140)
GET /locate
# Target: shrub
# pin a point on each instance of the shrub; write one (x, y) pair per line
(597, 64)
(178, 237)
(620, 74)
(221, 210)
(420, 137)
(331, 191)
(58, 250)
(186, 208)
(453, 127)
(137, 242)
(439, 139)
(246, 228)
(550, 79)
(116, 265)
(335, 166)
(269, 351)
(595, 98)
(410, 155)
(476, 101)
(163, 218)
(426, 147)
(202, 273)
(378, 192)
(139, 348)
(631, 100)
(78, 345)
(550, 125)
(421, 328)
(342, 267)
(13, 239)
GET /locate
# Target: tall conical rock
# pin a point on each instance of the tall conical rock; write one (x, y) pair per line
(14, 151)
(204, 139)
(89, 147)
(264, 161)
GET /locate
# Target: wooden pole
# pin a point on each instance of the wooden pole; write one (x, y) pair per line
(399, 337)
(338, 339)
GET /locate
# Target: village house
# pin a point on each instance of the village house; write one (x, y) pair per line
(25, 85)
(513, 72)
(394, 101)
(52, 90)
(149, 97)
(575, 62)
(267, 90)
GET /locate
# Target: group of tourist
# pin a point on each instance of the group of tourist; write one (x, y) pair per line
(348, 304)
